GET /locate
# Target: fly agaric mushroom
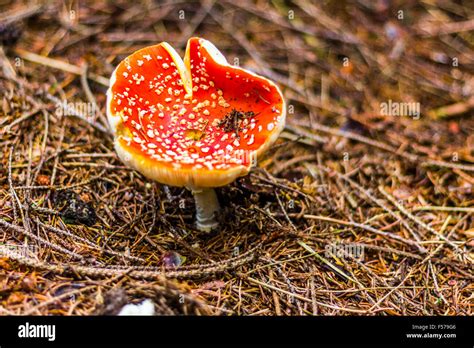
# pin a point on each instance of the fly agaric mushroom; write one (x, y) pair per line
(198, 123)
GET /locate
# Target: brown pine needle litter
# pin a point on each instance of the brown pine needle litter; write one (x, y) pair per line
(363, 207)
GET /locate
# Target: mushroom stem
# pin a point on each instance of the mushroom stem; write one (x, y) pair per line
(207, 207)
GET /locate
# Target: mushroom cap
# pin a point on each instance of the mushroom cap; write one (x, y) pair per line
(167, 115)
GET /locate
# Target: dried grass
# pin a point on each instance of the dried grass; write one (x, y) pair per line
(398, 188)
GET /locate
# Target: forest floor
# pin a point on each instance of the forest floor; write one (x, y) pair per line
(363, 207)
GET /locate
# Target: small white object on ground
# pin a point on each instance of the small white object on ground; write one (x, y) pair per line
(145, 308)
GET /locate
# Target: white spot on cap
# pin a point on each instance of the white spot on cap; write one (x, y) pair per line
(251, 140)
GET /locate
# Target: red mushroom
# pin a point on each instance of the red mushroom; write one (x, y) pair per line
(198, 123)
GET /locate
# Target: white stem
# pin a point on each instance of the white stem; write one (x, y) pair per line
(207, 207)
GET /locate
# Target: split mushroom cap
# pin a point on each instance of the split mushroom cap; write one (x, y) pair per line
(168, 115)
